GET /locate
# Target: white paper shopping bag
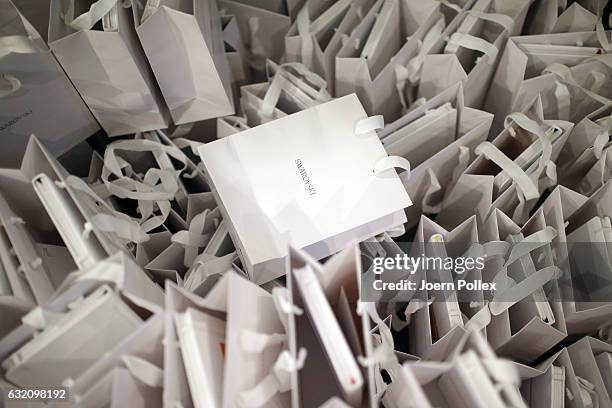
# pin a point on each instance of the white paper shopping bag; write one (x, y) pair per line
(184, 46)
(263, 32)
(582, 314)
(572, 93)
(521, 159)
(36, 97)
(598, 175)
(290, 88)
(436, 328)
(538, 313)
(13, 309)
(341, 364)
(438, 139)
(473, 51)
(235, 52)
(584, 147)
(555, 17)
(250, 321)
(471, 376)
(293, 193)
(252, 104)
(140, 354)
(316, 36)
(108, 67)
(48, 354)
(582, 354)
(511, 87)
(407, 32)
(27, 258)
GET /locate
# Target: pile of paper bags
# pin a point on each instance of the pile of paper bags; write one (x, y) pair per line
(197, 198)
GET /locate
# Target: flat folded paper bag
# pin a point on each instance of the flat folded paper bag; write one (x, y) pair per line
(307, 178)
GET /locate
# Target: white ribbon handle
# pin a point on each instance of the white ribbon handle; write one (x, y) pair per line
(545, 164)
(503, 20)
(523, 181)
(383, 353)
(480, 320)
(87, 20)
(531, 243)
(433, 188)
(564, 73)
(13, 82)
(309, 76)
(19, 44)
(113, 221)
(588, 395)
(194, 238)
(273, 95)
(279, 380)
(411, 73)
(145, 371)
(159, 186)
(414, 305)
(463, 161)
(280, 297)
(128, 230)
(392, 162)
(475, 43)
(303, 26)
(513, 294)
(368, 125)
(563, 98)
(150, 7)
(257, 53)
(255, 342)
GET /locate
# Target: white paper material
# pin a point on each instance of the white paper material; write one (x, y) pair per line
(56, 343)
(43, 102)
(110, 72)
(301, 197)
(184, 46)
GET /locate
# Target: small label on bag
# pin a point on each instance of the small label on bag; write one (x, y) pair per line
(310, 189)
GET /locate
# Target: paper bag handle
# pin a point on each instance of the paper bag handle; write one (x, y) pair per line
(145, 371)
(277, 381)
(193, 238)
(148, 191)
(502, 19)
(256, 342)
(307, 45)
(19, 44)
(150, 8)
(116, 222)
(14, 83)
(525, 183)
(475, 43)
(564, 74)
(97, 11)
(410, 75)
(256, 51)
(280, 83)
(391, 162)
